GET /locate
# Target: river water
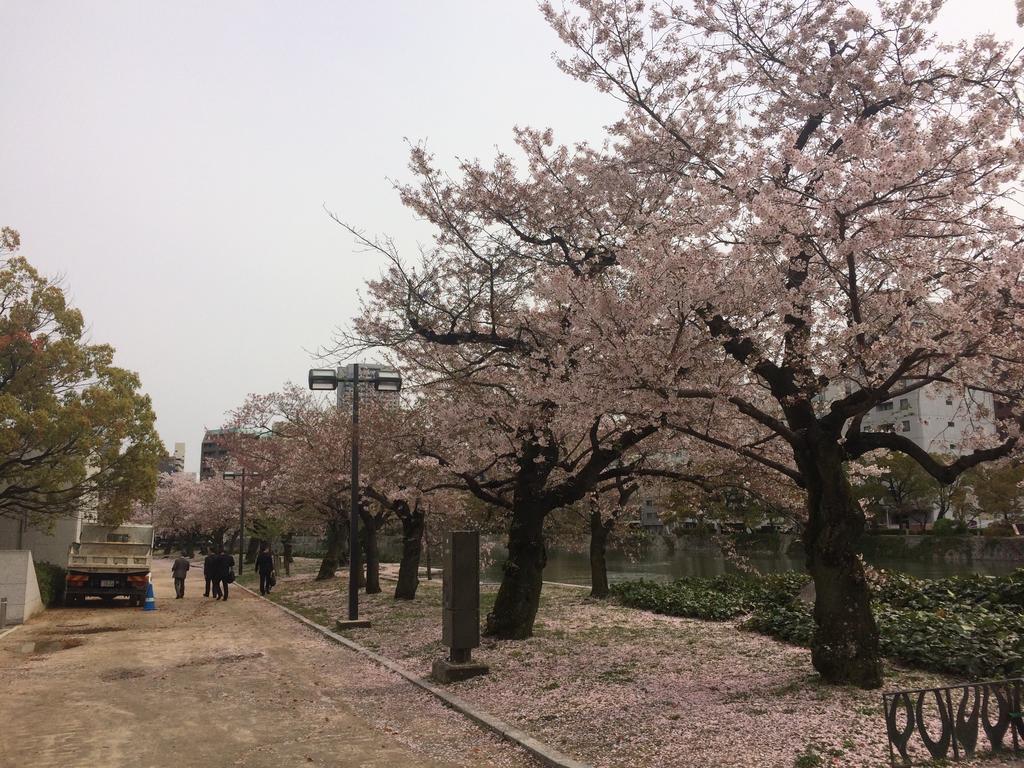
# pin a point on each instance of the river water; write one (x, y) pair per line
(659, 564)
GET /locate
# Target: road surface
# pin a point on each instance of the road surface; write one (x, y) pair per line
(203, 682)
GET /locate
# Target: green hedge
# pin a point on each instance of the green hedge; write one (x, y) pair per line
(947, 527)
(51, 583)
(717, 598)
(970, 625)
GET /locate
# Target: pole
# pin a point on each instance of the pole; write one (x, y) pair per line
(241, 528)
(426, 542)
(353, 547)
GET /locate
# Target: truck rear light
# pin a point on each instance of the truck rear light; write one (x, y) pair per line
(138, 579)
(77, 578)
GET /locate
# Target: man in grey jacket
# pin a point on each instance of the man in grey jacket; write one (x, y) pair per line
(179, 570)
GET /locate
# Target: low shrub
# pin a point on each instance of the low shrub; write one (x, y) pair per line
(968, 625)
(902, 591)
(51, 583)
(788, 620)
(947, 527)
(998, 528)
(716, 599)
(973, 641)
(713, 599)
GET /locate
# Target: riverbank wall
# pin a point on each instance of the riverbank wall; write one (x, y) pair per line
(923, 548)
(960, 549)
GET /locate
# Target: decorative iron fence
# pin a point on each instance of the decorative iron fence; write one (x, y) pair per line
(992, 707)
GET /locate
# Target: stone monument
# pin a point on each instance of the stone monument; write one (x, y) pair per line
(460, 620)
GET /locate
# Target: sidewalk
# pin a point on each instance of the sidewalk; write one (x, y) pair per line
(217, 684)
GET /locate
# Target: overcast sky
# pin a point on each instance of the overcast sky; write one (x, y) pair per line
(172, 159)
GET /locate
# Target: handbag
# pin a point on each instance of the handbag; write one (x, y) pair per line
(230, 578)
(273, 579)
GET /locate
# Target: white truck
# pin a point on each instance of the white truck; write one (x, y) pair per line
(109, 562)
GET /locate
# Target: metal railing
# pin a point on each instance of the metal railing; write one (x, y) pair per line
(959, 729)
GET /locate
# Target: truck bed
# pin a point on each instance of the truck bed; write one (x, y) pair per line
(110, 557)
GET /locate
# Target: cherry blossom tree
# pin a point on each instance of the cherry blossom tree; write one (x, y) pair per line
(302, 460)
(171, 509)
(804, 212)
(841, 226)
(305, 465)
(505, 424)
(186, 510)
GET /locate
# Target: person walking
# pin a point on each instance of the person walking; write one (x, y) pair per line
(265, 568)
(210, 574)
(179, 570)
(225, 572)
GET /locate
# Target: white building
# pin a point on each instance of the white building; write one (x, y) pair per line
(49, 543)
(936, 418)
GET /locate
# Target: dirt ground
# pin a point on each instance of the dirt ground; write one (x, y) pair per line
(618, 687)
(210, 683)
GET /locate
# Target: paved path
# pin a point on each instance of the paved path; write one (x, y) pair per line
(214, 684)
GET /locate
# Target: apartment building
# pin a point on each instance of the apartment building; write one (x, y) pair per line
(937, 418)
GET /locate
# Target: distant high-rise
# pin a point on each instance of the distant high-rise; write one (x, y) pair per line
(213, 450)
(174, 463)
(367, 373)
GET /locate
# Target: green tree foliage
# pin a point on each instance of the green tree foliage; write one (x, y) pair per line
(898, 484)
(996, 490)
(76, 429)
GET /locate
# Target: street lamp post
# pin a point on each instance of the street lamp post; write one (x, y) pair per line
(241, 515)
(354, 566)
(383, 380)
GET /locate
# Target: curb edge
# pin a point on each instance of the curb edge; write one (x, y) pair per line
(538, 749)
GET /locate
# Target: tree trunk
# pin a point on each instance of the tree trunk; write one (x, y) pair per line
(286, 545)
(409, 569)
(845, 646)
(190, 544)
(515, 607)
(598, 560)
(336, 533)
(372, 555)
(218, 538)
(426, 547)
(252, 547)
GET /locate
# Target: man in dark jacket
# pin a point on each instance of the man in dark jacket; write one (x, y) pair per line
(210, 574)
(179, 570)
(264, 567)
(225, 566)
